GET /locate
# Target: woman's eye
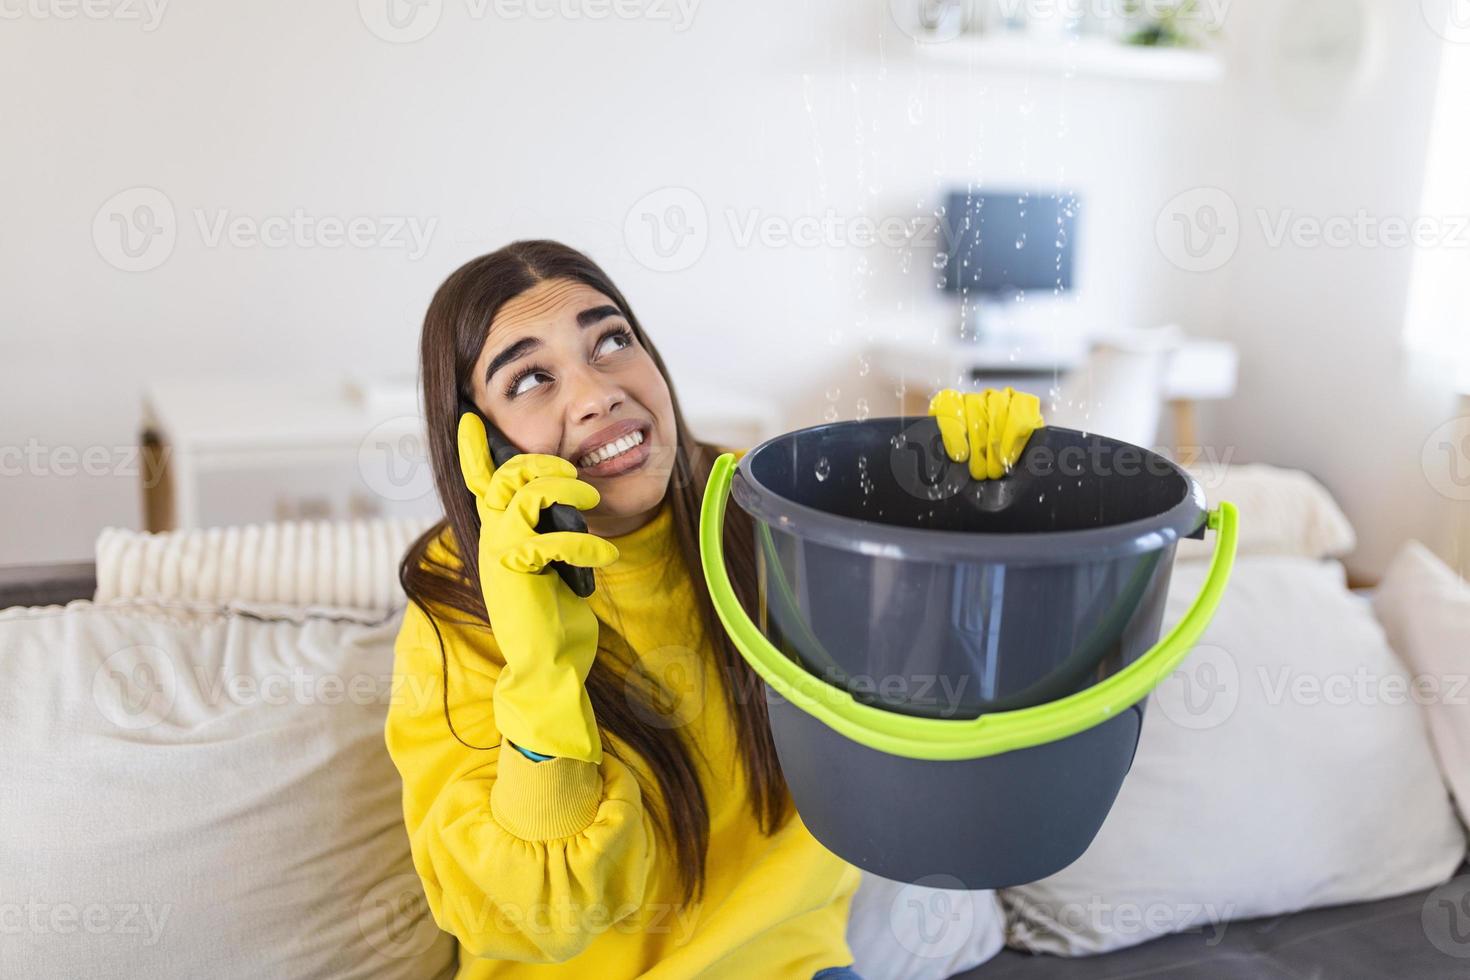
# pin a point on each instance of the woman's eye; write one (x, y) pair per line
(526, 382)
(618, 338)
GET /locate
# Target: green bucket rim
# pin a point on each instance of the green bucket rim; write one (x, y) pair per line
(951, 739)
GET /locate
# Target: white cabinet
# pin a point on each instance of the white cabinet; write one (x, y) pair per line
(226, 451)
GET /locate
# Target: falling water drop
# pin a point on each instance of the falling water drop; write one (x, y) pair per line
(824, 467)
(862, 409)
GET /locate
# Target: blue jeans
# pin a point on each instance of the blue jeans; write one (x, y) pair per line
(836, 973)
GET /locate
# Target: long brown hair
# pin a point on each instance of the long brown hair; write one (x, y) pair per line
(455, 328)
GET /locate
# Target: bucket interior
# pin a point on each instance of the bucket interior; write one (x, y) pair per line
(893, 471)
(991, 616)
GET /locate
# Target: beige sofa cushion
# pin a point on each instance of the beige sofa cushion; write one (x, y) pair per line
(195, 790)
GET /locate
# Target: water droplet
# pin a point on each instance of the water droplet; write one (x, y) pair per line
(1021, 240)
(864, 366)
(862, 409)
(833, 394)
(941, 259)
(824, 467)
(830, 414)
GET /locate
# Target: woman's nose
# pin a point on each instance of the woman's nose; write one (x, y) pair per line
(592, 395)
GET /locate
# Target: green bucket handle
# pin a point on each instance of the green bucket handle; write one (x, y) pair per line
(947, 739)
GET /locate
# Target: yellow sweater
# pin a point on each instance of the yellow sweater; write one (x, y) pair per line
(552, 869)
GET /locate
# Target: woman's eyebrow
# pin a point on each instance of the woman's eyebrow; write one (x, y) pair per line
(590, 316)
(525, 345)
(514, 352)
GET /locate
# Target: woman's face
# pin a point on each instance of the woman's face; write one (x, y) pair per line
(562, 373)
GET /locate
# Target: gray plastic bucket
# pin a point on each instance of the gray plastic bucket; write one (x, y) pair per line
(992, 822)
(878, 555)
(888, 572)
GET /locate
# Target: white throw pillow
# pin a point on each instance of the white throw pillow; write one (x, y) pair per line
(1282, 512)
(1283, 766)
(197, 791)
(301, 563)
(921, 931)
(1424, 607)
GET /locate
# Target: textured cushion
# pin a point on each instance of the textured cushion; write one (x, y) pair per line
(1424, 607)
(1283, 766)
(304, 563)
(199, 791)
(921, 931)
(1282, 512)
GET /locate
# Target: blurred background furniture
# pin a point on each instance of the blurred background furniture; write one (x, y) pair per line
(239, 450)
(1119, 383)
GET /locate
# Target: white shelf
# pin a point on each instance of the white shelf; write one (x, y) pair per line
(1017, 52)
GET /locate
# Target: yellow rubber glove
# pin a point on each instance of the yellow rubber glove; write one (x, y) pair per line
(989, 428)
(545, 631)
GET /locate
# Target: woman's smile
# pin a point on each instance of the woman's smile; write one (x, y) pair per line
(616, 455)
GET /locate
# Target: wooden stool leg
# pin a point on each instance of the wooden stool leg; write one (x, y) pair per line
(1186, 434)
(158, 497)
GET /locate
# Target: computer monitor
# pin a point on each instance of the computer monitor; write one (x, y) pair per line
(1000, 243)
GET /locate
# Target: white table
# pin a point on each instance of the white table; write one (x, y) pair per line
(1194, 369)
(234, 451)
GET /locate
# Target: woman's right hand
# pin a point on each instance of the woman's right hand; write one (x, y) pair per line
(545, 631)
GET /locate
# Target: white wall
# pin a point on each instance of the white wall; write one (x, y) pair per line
(1327, 384)
(503, 129)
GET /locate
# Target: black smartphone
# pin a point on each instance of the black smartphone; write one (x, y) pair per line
(557, 517)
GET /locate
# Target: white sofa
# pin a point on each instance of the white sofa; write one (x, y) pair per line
(195, 785)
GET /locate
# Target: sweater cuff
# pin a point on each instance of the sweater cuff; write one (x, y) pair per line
(545, 800)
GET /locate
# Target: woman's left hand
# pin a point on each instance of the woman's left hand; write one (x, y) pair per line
(989, 428)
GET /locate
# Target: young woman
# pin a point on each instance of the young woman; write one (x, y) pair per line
(590, 785)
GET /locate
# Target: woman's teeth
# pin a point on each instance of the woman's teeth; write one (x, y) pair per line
(611, 449)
